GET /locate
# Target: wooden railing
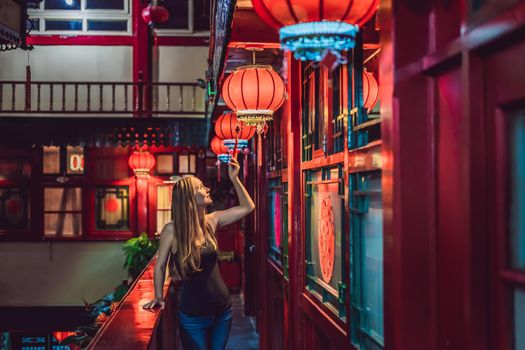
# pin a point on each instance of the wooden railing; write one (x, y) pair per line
(131, 327)
(122, 98)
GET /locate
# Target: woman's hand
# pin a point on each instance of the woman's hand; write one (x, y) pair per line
(155, 302)
(233, 169)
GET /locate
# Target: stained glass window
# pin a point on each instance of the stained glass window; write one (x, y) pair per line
(163, 205)
(112, 208)
(62, 212)
(14, 209)
(324, 237)
(366, 252)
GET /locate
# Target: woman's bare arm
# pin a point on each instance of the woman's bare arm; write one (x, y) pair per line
(246, 205)
(166, 241)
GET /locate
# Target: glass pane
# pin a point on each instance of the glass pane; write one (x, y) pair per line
(164, 197)
(372, 233)
(519, 319)
(75, 160)
(183, 164)
(14, 209)
(51, 160)
(111, 26)
(65, 25)
(517, 192)
(178, 10)
(63, 225)
(62, 199)
(62, 4)
(105, 4)
(112, 208)
(33, 24)
(325, 234)
(164, 164)
(274, 222)
(193, 163)
(163, 217)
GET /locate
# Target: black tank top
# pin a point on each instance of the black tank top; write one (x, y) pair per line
(204, 292)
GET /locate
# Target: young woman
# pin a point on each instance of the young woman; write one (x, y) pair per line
(190, 244)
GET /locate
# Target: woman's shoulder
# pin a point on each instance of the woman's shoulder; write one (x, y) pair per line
(168, 229)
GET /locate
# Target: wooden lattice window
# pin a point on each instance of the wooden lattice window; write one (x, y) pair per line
(63, 212)
(112, 208)
(14, 209)
(324, 239)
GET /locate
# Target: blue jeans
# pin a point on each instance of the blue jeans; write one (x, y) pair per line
(205, 332)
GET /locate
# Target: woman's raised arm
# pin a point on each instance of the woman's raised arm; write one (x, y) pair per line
(246, 205)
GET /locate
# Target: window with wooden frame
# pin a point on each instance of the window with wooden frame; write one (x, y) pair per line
(324, 237)
(338, 85)
(63, 212)
(186, 16)
(366, 260)
(112, 208)
(63, 160)
(14, 209)
(15, 175)
(514, 271)
(364, 121)
(277, 218)
(163, 205)
(187, 163)
(91, 17)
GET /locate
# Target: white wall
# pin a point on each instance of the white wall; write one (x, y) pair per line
(69, 63)
(182, 63)
(58, 273)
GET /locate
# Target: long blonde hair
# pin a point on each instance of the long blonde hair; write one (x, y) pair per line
(187, 228)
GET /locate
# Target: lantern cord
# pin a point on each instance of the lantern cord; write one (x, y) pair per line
(259, 150)
(218, 170)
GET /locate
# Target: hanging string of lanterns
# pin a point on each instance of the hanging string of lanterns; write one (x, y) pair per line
(235, 134)
(254, 92)
(312, 29)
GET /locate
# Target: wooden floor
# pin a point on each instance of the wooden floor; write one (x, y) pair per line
(243, 335)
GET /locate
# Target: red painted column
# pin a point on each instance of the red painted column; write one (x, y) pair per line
(141, 54)
(295, 224)
(142, 204)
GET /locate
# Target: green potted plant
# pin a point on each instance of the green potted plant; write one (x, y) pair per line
(138, 253)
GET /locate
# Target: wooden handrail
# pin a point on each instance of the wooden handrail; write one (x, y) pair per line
(101, 97)
(131, 327)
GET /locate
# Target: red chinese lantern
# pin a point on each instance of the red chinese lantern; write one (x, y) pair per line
(312, 28)
(155, 14)
(141, 161)
(254, 92)
(370, 91)
(111, 205)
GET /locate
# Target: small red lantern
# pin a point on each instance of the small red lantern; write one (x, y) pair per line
(370, 91)
(229, 127)
(155, 14)
(141, 161)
